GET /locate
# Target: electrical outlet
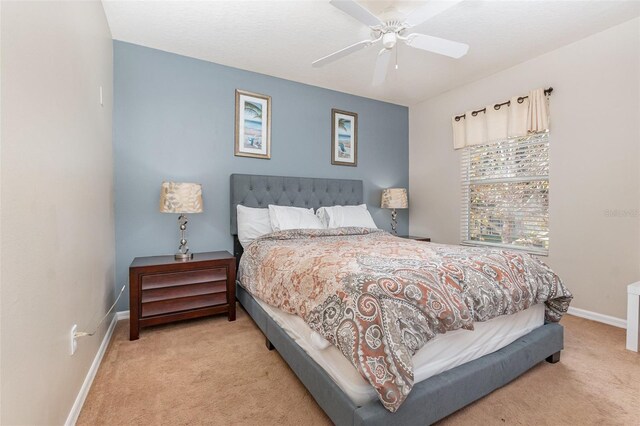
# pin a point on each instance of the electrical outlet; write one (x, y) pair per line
(74, 339)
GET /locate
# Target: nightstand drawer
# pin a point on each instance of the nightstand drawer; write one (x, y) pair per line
(183, 304)
(183, 278)
(165, 293)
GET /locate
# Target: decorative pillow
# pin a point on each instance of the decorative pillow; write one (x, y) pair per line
(252, 223)
(343, 216)
(283, 218)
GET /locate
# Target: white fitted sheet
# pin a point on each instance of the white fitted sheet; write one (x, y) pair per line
(442, 353)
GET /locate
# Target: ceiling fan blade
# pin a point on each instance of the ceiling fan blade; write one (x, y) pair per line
(429, 10)
(350, 7)
(343, 52)
(382, 65)
(438, 45)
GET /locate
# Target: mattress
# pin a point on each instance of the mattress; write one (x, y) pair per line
(442, 353)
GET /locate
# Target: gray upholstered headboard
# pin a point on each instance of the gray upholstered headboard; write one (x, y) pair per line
(260, 191)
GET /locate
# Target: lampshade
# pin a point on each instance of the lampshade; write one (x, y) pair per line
(394, 198)
(181, 197)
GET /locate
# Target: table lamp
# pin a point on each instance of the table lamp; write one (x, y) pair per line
(181, 198)
(394, 198)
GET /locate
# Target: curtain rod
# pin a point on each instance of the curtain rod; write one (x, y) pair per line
(521, 99)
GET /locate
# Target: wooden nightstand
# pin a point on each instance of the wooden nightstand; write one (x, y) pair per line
(162, 289)
(413, 237)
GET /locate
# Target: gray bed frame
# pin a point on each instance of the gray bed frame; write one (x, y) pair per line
(431, 399)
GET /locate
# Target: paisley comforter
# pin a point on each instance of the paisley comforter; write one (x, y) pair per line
(380, 298)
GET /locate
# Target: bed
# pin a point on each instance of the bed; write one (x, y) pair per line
(431, 399)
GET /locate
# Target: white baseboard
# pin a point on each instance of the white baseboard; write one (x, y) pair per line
(91, 374)
(122, 315)
(594, 316)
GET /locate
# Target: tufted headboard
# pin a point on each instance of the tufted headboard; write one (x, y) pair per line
(260, 191)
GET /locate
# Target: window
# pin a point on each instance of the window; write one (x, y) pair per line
(505, 194)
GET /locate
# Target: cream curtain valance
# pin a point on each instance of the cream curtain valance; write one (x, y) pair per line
(518, 117)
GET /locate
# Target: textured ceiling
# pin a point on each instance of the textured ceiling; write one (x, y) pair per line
(282, 38)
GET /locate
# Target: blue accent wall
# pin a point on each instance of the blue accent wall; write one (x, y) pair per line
(174, 120)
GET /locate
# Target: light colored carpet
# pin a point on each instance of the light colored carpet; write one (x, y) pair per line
(215, 372)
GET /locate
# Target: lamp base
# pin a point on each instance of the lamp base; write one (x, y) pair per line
(183, 256)
(183, 251)
(394, 222)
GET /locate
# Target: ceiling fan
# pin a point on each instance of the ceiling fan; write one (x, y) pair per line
(390, 32)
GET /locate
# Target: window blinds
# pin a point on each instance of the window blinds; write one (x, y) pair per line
(505, 194)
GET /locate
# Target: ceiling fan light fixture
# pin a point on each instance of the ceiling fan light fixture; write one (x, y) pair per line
(389, 40)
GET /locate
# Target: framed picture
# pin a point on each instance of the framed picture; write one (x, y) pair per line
(344, 138)
(253, 125)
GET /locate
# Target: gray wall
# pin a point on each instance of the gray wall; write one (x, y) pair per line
(174, 120)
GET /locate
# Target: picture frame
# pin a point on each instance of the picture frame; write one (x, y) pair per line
(344, 138)
(253, 125)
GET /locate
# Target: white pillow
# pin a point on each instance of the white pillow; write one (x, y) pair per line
(252, 223)
(283, 217)
(343, 216)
